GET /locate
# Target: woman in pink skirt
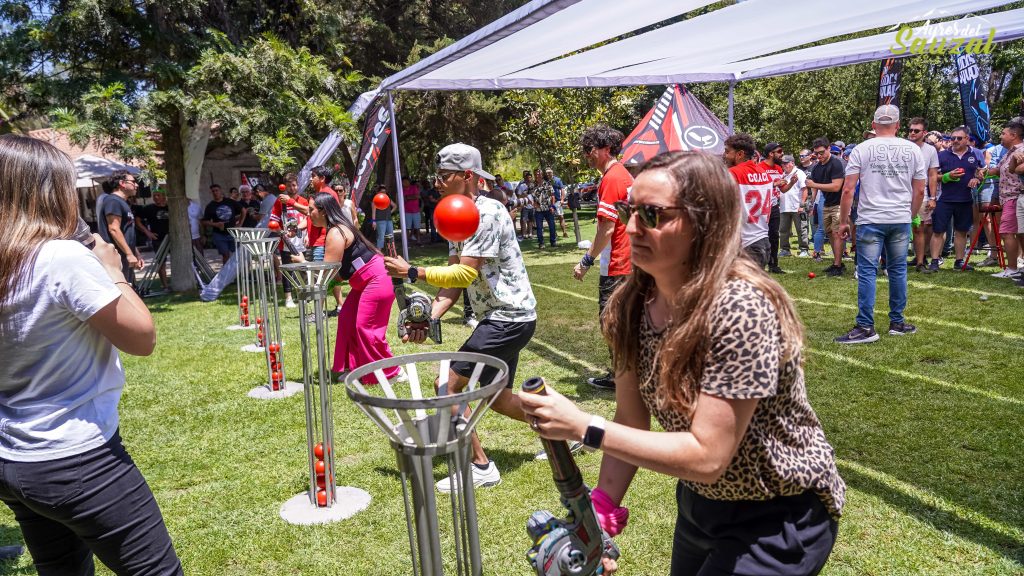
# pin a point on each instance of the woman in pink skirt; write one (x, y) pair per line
(366, 313)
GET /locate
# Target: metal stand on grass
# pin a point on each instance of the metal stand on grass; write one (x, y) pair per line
(244, 277)
(268, 322)
(424, 427)
(324, 501)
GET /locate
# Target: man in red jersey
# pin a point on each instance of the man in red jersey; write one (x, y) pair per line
(756, 188)
(772, 164)
(601, 146)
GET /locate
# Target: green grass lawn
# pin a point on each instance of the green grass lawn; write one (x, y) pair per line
(928, 431)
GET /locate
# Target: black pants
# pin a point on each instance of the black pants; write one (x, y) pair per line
(773, 237)
(758, 252)
(787, 535)
(93, 503)
(605, 286)
(127, 269)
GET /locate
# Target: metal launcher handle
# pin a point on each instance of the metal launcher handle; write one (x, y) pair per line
(567, 475)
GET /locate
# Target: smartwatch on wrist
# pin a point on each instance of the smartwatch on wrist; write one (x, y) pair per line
(414, 274)
(594, 436)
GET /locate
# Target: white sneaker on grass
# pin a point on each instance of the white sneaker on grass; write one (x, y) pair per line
(1007, 273)
(575, 447)
(481, 478)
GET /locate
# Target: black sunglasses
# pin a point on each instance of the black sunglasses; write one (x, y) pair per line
(916, 130)
(959, 138)
(649, 215)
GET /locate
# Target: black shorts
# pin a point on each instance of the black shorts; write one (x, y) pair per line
(782, 536)
(962, 214)
(605, 286)
(503, 340)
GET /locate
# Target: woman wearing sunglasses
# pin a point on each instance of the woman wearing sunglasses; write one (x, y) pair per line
(710, 346)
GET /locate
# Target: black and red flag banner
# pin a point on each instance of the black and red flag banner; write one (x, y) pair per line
(678, 121)
(376, 132)
(890, 80)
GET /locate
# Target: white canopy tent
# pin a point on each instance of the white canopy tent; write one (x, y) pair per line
(571, 43)
(91, 168)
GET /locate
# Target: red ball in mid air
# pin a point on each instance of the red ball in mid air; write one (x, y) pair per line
(282, 187)
(274, 225)
(456, 218)
(381, 201)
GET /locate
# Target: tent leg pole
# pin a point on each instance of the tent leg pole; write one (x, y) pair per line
(732, 85)
(398, 179)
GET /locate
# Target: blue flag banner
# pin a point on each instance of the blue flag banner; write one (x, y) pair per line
(973, 95)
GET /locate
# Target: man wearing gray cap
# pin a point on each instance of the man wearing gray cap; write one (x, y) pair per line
(489, 266)
(892, 173)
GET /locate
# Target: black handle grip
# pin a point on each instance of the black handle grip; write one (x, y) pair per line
(564, 470)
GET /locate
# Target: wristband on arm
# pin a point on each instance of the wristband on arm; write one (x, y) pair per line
(587, 261)
(613, 519)
(948, 177)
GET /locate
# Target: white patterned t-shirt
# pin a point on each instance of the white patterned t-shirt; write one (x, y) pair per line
(501, 291)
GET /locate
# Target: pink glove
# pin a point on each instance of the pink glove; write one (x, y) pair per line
(611, 517)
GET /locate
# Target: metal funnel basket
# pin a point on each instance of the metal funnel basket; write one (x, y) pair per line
(421, 423)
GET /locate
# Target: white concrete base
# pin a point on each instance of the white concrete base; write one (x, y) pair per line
(255, 348)
(265, 393)
(298, 510)
(238, 327)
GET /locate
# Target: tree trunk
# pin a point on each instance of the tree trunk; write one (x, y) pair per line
(182, 276)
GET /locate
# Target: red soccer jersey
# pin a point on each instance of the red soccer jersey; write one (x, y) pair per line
(614, 188)
(776, 172)
(756, 197)
(314, 234)
(281, 214)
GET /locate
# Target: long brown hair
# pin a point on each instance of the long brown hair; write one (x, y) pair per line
(712, 208)
(37, 203)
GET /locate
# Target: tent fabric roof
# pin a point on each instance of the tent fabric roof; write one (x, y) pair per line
(531, 47)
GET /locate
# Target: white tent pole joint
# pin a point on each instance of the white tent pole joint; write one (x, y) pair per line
(399, 192)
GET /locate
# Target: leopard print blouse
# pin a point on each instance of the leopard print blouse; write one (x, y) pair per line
(784, 451)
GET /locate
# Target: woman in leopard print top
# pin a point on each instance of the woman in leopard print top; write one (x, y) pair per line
(710, 346)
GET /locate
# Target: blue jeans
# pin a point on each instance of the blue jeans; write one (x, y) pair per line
(819, 230)
(872, 239)
(540, 216)
(384, 227)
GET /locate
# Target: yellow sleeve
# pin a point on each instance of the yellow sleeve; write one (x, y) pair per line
(453, 276)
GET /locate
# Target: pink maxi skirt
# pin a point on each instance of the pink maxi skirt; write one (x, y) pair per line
(364, 319)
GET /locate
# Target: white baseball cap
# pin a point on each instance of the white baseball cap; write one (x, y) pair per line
(459, 157)
(887, 114)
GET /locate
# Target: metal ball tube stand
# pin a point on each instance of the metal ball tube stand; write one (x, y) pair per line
(268, 323)
(243, 264)
(324, 501)
(426, 427)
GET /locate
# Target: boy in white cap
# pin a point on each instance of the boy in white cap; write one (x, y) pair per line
(489, 266)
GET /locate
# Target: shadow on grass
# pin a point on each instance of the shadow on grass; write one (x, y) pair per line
(506, 461)
(941, 520)
(10, 536)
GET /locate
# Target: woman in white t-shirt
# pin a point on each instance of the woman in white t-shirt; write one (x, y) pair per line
(65, 312)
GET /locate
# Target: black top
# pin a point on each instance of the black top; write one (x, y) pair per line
(356, 256)
(158, 219)
(227, 211)
(252, 217)
(114, 205)
(825, 174)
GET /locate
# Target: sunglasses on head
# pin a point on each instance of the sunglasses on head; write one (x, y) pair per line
(648, 214)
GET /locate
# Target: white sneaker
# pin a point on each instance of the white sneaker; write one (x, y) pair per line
(1008, 273)
(289, 303)
(803, 254)
(481, 478)
(401, 377)
(575, 447)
